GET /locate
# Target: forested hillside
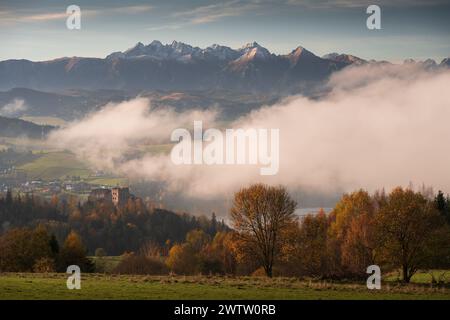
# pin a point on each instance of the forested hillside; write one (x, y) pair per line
(13, 128)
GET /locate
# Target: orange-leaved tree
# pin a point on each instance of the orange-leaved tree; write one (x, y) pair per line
(260, 214)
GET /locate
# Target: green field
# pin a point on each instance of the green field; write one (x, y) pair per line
(55, 165)
(422, 277)
(51, 121)
(100, 286)
(106, 263)
(108, 181)
(24, 143)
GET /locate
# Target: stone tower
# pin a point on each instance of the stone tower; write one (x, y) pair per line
(120, 196)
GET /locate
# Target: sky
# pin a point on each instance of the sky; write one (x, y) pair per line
(36, 29)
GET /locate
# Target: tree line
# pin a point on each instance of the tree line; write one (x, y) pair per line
(404, 230)
(101, 224)
(34, 250)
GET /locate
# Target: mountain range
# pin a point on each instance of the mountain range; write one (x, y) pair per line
(179, 66)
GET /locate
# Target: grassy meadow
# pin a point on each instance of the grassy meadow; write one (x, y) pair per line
(51, 164)
(104, 286)
(55, 165)
(50, 121)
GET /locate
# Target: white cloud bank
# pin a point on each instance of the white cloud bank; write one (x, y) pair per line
(13, 108)
(380, 126)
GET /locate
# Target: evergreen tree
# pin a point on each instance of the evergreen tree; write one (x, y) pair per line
(213, 228)
(54, 245)
(9, 198)
(442, 204)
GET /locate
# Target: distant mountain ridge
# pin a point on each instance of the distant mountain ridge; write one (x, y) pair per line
(180, 66)
(68, 105)
(14, 128)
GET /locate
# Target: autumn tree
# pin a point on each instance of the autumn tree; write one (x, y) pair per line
(407, 227)
(217, 256)
(351, 244)
(305, 252)
(21, 248)
(140, 264)
(222, 245)
(183, 259)
(244, 257)
(73, 252)
(260, 214)
(359, 247)
(198, 239)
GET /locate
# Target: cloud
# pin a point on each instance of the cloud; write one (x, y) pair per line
(132, 9)
(106, 137)
(13, 108)
(44, 17)
(377, 127)
(166, 27)
(205, 14)
(27, 16)
(215, 12)
(330, 4)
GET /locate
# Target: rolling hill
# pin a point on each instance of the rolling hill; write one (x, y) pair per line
(13, 128)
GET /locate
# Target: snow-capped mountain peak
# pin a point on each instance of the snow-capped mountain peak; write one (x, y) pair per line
(330, 56)
(221, 52)
(137, 50)
(184, 52)
(344, 58)
(250, 45)
(181, 47)
(253, 50)
(300, 53)
(156, 43)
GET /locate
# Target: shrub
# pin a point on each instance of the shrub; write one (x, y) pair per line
(134, 264)
(211, 266)
(44, 265)
(21, 248)
(183, 259)
(260, 272)
(73, 252)
(100, 252)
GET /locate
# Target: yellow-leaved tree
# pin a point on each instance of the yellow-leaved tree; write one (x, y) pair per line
(260, 215)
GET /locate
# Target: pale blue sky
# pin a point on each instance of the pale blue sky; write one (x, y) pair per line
(36, 30)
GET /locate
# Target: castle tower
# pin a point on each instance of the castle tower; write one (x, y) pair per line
(120, 196)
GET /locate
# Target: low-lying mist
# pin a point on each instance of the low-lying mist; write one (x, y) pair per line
(13, 108)
(379, 126)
